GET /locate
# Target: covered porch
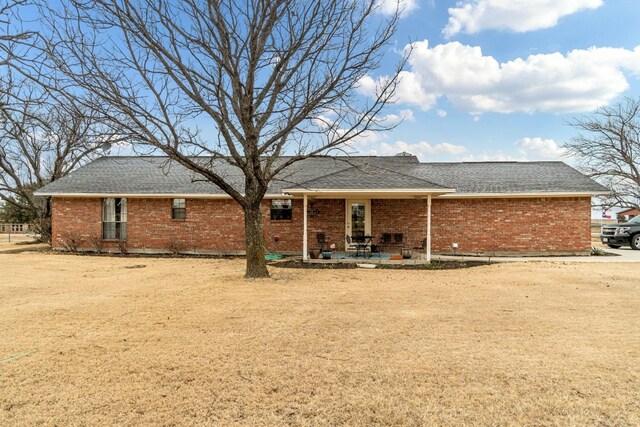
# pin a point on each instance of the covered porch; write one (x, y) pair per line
(368, 226)
(342, 257)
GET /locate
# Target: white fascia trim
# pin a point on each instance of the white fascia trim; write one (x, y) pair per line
(152, 196)
(521, 195)
(368, 190)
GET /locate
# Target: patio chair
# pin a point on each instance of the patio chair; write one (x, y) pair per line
(385, 239)
(351, 245)
(393, 241)
(358, 244)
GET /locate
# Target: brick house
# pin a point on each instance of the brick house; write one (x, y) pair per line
(485, 207)
(13, 228)
(627, 214)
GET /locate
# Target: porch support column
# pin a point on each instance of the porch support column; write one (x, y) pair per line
(428, 245)
(305, 249)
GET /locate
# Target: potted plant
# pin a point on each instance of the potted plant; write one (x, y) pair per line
(314, 253)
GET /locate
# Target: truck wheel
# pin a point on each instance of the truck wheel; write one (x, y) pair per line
(635, 241)
(614, 246)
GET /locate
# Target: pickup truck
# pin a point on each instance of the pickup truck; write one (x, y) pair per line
(623, 234)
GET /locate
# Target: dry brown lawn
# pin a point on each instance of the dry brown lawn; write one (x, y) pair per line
(117, 341)
(18, 241)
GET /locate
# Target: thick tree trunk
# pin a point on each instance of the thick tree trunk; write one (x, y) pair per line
(43, 222)
(254, 242)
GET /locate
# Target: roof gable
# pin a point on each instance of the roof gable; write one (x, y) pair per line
(355, 178)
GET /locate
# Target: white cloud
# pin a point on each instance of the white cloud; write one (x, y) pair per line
(422, 149)
(529, 149)
(389, 7)
(405, 115)
(409, 89)
(323, 121)
(441, 113)
(367, 86)
(539, 149)
(473, 16)
(491, 157)
(581, 80)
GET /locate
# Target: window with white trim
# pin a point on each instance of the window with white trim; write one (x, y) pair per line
(179, 209)
(281, 209)
(114, 219)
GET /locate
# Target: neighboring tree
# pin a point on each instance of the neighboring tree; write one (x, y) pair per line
(41, 140)
(609, 150)
(45, 132)
(12, 213)
(262, 78)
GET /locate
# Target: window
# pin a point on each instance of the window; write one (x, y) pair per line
(179, 209)
(280, 209)
(114, 219)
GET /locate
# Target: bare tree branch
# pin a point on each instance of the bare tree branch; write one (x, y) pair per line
(609, 150)
(45, 131)
(258, 76)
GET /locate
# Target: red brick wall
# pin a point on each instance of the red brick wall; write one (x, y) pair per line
(210, 225)
(327, 216)
(477, 225)
(406, 216)
(216, 225)
(81, 217)
(512, 225)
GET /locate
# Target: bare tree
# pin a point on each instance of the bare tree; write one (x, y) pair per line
(609, 150)
(12, 37)
(243, 82)
(45, 132)
(42, 139)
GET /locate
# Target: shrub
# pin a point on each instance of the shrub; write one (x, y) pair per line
(123, 247)
(597, 252)
(96, 243)
(71, 242)
(175, 246)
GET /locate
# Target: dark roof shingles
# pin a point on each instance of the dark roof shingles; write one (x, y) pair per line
(157, 175)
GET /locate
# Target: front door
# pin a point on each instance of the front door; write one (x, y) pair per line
(358, 218)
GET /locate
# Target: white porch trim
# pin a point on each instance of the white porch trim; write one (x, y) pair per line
(428, 243)
(305, 249)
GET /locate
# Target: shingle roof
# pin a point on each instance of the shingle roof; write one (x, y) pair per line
(508, 177)
(355, 178)
(158, 175)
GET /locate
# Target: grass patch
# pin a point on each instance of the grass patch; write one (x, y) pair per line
(190, 342)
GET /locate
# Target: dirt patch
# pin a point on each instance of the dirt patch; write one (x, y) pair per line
(88, 341)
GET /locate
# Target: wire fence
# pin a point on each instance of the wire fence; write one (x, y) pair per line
(11, 232)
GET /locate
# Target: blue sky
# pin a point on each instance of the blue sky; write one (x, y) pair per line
(499, 80)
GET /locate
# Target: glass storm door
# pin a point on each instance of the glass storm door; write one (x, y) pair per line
(358, 218)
